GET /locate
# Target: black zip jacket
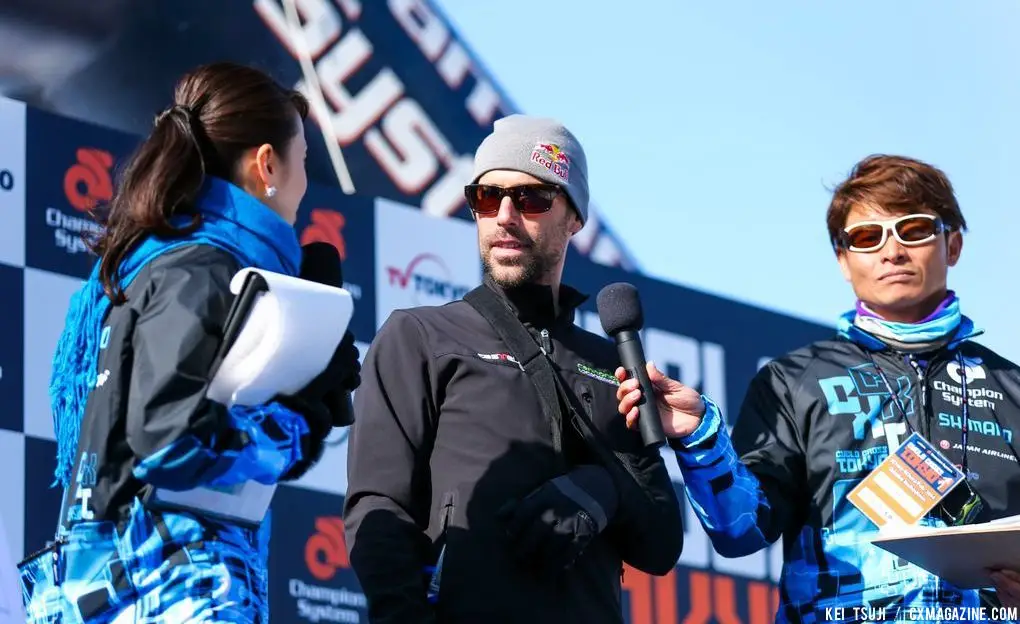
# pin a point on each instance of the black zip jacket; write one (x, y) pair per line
(449, 428)
(818, 420)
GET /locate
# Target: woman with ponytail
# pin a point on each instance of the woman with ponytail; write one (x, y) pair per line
(214, 188)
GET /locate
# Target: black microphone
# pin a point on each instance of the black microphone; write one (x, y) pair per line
(320, 262)
(622, 319)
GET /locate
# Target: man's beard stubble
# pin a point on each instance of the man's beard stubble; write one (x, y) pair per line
(534, 264)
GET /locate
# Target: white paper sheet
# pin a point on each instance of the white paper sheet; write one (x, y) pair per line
(289, 337)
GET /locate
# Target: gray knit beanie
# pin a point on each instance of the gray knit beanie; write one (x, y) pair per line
(541, 147)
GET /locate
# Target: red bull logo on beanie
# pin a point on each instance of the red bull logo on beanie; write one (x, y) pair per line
(550, 156)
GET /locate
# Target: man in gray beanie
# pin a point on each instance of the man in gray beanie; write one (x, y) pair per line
(529, 195)
(540, 147)
(519, 505)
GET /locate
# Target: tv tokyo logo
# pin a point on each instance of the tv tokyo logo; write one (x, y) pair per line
(429, 278)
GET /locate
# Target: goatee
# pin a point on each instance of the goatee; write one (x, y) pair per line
(529, 271)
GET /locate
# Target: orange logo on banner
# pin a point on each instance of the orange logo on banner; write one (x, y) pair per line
(713, 598)
(326, 549)
(89, 181)
(326, 227)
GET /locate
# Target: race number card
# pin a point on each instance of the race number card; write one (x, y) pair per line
(907, 485)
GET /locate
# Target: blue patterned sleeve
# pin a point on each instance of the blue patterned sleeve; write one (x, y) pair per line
(747, 489)
(262, 443)
(273, 433)
(725, 495)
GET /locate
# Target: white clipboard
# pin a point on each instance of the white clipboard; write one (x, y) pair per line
(958, 555)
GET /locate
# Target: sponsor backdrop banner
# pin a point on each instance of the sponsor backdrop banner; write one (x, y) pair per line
(395, 256)
(403, 97)
(407, 103)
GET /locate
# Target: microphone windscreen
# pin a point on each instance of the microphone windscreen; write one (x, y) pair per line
(320, 262)
(620, 308)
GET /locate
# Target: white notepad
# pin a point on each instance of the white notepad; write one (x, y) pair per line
(289, 337)
(959, 555)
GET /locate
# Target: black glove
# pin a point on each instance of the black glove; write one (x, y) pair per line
(333, 386)
(343, 373)
(552, 526)
(325, 403)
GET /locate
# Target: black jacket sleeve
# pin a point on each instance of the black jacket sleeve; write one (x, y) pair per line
(387, 503)
(180, 438)
(648, 529)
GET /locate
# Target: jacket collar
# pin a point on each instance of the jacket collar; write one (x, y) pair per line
(533, 303)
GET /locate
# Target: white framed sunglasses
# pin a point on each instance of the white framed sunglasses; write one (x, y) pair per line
(909, 230)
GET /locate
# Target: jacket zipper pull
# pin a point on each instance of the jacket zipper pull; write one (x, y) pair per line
(920, 373)
(923, 411)
(546, 342)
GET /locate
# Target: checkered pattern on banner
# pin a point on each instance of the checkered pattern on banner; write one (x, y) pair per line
(12, 315)
(394, 256)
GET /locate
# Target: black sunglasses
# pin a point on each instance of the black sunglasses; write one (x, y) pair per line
(529, 199)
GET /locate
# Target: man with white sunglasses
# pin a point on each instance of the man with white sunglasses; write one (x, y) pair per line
(819, 420)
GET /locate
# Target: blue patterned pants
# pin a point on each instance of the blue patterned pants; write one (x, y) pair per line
(160, 567)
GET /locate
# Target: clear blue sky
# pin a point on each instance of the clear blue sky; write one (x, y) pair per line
(713, 129)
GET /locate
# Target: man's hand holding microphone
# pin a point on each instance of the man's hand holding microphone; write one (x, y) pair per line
(680, 407)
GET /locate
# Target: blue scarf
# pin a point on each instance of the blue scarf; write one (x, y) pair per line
(867, 327)
(232, 220)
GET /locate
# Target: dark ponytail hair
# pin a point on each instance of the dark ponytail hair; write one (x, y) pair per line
(219, 111)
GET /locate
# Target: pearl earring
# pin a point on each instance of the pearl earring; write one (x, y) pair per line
(270, 191)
